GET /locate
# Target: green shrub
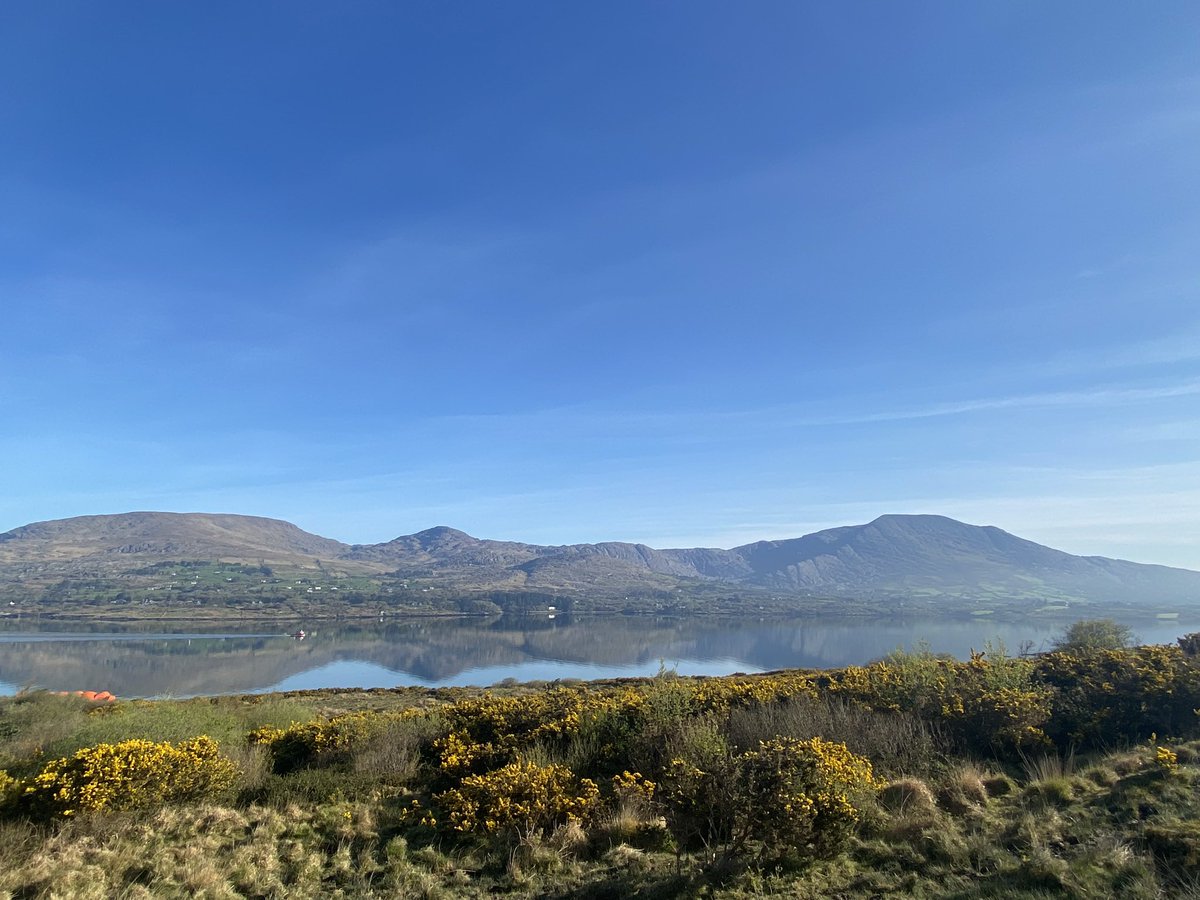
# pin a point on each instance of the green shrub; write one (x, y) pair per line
(393, 752)
(662, 726)
(1093, 634)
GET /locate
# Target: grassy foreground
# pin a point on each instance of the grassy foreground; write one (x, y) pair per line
(1073, 774)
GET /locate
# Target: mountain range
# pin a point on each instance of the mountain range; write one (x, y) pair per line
(894, 562)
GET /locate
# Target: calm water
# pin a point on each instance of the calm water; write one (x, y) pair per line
(134, 663)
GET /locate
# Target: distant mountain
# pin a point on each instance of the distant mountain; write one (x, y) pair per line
(896, 562)
(914, 556)
(895, 556)
(167, 535)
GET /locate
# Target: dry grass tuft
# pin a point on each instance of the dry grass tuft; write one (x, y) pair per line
(968, 781)
(253, 762)
(907, 795)
(962, 791)
(623, 856)
(893, 741)
(569, 839)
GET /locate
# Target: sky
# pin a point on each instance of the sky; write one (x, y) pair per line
(686, 273)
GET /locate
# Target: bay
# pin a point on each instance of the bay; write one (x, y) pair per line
(148, 661)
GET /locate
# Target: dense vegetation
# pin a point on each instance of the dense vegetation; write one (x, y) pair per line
(1073, 773)
(198, 590)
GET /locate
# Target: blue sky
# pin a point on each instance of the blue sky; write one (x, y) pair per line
(686, 273)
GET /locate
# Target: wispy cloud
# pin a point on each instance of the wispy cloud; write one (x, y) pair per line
(1097, 397)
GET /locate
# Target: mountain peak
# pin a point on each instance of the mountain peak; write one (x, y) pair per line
(920, 521)
(441, 533)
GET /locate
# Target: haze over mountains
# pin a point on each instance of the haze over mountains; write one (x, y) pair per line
(896, 559)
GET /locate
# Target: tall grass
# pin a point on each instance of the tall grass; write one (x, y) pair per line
(895, 742)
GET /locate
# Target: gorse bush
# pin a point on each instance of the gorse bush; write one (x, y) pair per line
(788, 797)
(616, 730)
(632, 788)
(717, 694)
(741, 766)
(486, 732)
(10, 789)
(989, 703)
(803, 796)
(1166, 759)
(129, 775)
(1104, 696)
(521, 799)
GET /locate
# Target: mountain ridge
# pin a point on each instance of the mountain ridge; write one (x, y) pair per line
(895, 558)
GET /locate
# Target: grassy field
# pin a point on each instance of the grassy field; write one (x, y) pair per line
(1075, 774)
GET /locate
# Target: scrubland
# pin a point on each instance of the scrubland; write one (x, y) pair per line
(1069, 774)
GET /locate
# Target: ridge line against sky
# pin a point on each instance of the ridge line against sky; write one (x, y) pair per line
(677, 275)
(501, 539)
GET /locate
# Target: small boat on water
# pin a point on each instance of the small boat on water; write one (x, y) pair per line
(298, 635)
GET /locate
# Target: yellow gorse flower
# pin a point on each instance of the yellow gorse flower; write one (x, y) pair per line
(1166, 759)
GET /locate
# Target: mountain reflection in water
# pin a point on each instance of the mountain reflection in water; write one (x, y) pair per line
(438, 652)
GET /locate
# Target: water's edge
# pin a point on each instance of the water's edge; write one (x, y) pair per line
(131, 661)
